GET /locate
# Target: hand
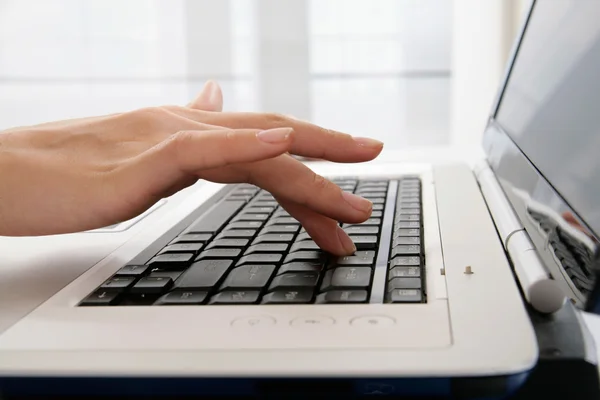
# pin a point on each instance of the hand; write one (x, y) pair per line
(88, 173)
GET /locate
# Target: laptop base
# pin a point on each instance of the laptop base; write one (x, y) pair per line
(567, 368)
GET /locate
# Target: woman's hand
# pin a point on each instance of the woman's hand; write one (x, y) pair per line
(88, 173)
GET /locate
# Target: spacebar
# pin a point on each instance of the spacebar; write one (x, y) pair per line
(215, 218)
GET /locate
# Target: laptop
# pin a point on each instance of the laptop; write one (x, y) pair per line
(217, 290)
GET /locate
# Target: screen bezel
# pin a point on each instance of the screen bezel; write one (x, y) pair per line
(498, 146)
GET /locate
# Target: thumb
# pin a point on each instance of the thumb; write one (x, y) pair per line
(186, 154)
(209, 99)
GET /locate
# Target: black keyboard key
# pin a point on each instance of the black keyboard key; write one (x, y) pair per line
(244, 191)
(170, 273)
(368, 222)
(372, 192)
(404, 296)
(133, 270)
(347, 278)
(408, 211)
(219, 253)
(583, 284)
(251, 217)
(281, 213)
(214, 219)
(264, 195)
(293, 296)
(265, 203)
(236, 297)
(406, 217)
(410, 184)
(408, 198)
(192, 237)
(406, 240)
(366, 257)
(342, 296)
(408, 224)
(362, 230)
(101, 298)
(374, 197)
(152, 285)
(405, 272)
(404, 283)
(300, 266)
(182, 248)
(364, 242)
(248, 277)
(295, 280)
(267, 248)
(182, 298)
(259, 210)
(260, 258)
(237, 233)
(344, 180)
(406, 250)
(228, 243)
(410, 188)
(283, 221)
(372, 185)
(408, 205)
(203, 274)
(171, 260)
(239, 197)
(305, 256)
(406, 261)
(304, 245)
(244, 225)
(280, 229)
(303, 236)
(274, 238)
(407, 232)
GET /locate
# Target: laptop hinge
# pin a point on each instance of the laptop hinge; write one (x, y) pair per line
(540, 290)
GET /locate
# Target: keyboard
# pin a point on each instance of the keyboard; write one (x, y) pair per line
(575, 257)
(246, 249)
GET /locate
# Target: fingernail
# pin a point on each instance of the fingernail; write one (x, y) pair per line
(357, 202)
(276, 135)
(346, 242)
(209, 91)
(368, 142)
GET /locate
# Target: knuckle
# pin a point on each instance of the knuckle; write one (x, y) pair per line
(277, 119)
(149, 111)
(320, 183)
(229, 138)
(146, 116)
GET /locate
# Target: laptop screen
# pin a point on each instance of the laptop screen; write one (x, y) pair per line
(543, 142)
(551, 103)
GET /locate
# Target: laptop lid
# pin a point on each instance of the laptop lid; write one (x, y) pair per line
(543, 141)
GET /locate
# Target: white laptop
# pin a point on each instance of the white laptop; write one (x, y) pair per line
(217, 290)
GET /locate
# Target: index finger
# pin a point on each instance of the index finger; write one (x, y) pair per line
(310, 141)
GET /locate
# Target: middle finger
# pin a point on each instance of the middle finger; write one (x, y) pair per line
(310, 141)
(289, 179)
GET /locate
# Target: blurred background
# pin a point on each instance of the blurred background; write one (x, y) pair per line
(409, 72)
